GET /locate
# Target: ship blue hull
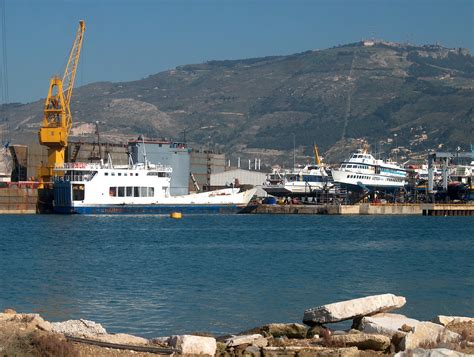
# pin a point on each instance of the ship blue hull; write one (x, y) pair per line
(148, 209)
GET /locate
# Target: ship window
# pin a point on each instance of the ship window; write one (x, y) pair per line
(113, 174)
(112, 191)
(121, 191)
(78, 192)
(143, 192)
(125, 174)
(136, 192)
(129, 191)
(136, 174)
(151, 191)
(106, 173)
(120, 174)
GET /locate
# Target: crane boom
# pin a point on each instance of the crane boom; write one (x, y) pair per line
(57, 119)
(316, 155)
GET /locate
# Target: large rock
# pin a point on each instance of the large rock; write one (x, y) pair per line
(436, 352)
(385, 324)
(350, 309)
(446, 320)
(78, 328)
(290, 330)
(196, 345)
(428, 335)
(362, 341)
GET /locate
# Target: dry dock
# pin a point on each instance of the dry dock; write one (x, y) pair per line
(18, 199)
(369, 209)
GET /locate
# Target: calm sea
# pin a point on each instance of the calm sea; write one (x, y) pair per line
(153, 276)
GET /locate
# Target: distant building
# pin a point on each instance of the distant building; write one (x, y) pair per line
(243, 177)
(174, 154)
(203, 164)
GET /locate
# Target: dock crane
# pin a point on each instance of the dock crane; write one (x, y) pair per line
(57, 119)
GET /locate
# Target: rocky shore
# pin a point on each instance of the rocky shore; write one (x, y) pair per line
(375, 331)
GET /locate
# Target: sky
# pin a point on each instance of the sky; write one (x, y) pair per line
(128, 40)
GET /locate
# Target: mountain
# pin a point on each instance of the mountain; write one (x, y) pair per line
(401, 99)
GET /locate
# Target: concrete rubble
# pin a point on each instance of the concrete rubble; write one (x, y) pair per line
(196, 345)
(78, 328)
(362, 341)
(350, 309)
(428, 333)
(446, 320)
(385, 323)
(256, 340)
(374, 331)
(435, 352)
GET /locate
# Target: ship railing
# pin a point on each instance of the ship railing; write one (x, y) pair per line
(77, 166)
(68, 178)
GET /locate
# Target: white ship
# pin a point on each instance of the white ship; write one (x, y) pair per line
(363, 171)
(93, 188)
(305, 181)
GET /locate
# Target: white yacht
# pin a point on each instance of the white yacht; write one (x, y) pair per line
(363, 171)
(97, 188)
(304, 181)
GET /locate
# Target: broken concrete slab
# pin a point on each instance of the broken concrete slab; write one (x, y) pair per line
(363, 341)
(428, 334)
(243, 340)
(350, 309)
(435, 352)
(385, 323)
(446, 320)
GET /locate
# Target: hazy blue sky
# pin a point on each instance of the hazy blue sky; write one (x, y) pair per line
(129, 40)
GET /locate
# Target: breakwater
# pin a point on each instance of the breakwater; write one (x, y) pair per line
(373, 331)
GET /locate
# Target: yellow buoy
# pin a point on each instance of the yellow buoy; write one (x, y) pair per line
(176, 215)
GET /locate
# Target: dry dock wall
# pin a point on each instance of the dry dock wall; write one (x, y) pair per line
(18, 200)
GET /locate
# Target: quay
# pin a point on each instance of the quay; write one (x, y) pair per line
(367, 209)
(436, 209)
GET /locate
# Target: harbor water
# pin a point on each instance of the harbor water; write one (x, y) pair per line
(154, 276)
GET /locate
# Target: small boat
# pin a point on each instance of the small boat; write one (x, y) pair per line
(363, 172)
(144, 188)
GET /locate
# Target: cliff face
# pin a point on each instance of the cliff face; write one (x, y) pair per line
(391, 95)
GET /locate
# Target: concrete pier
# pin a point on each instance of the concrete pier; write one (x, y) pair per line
(432, 209)
(369, 209)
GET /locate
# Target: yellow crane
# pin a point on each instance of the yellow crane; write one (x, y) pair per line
(57, 119)
(316, 155)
